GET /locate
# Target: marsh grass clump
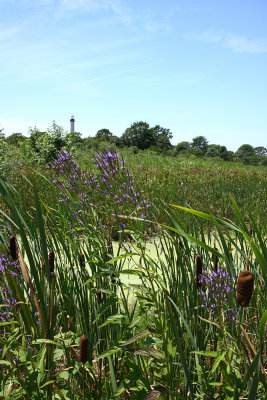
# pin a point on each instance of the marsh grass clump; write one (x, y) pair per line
(244, 288)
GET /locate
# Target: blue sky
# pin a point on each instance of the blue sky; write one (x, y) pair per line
(197, 67)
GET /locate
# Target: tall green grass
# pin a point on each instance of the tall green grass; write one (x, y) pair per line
(149, 340)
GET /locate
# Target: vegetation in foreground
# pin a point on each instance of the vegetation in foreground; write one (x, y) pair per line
(72, 327)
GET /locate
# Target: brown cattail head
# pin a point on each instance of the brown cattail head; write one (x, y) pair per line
(13, 248)
(215, 260)
(83, 349)
(199, 266)
(82, 261)
(51, 261)
(244, 288)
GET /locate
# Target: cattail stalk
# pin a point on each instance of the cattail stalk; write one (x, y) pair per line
(51, 262)
(244, 288)
(13, 248)
(215, 260)
(99, 296)
(34, 295)
(199, 266)
(83, 356)
(82, 261)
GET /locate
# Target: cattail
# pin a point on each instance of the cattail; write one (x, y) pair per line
(99, 296)
(215, 260)
(244, 288)
(82, 261)
(83, 349)
(199, 266)
(51, 261)
(13, 248)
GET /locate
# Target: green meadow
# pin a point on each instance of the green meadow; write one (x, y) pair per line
(133, 276)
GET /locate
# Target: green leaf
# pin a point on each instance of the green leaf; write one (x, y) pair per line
(9, 322)
(209, 322)
(48, 341)
(109, 302)
(136, 337)
(254, 386)
(112, 319)
(108, 353)
(238, 213)
(64, 375)
(158, 355)
(170, 348)
(209, 217)
(41, 230)
(218, 360)
(206, 353)
(249, 373)
(129, 272)
(119, 258)
(4, 362)
(112, 375)
(262, 327)
(46, 384)
(216, 384)
(196, 241)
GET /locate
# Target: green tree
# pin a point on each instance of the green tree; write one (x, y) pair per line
(200, 142)
(246, 150)
(58, 135)
(224, 153)
(213, 150)
(260, 151)
(183, 147)
(15, 139)
(2, 135)
(45, 146)
(104, 134)
(162, 137)
(140, 135)
(116, 140)
(73, 140)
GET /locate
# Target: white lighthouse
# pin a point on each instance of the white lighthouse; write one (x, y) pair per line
(72, 121)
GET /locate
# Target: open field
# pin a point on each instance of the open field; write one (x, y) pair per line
(201, 183)
(120, 279)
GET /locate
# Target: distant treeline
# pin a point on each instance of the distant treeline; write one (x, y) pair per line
(42, 147)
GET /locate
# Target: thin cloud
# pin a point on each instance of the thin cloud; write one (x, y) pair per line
(238, 44)
(117, 74)
(114, 6)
